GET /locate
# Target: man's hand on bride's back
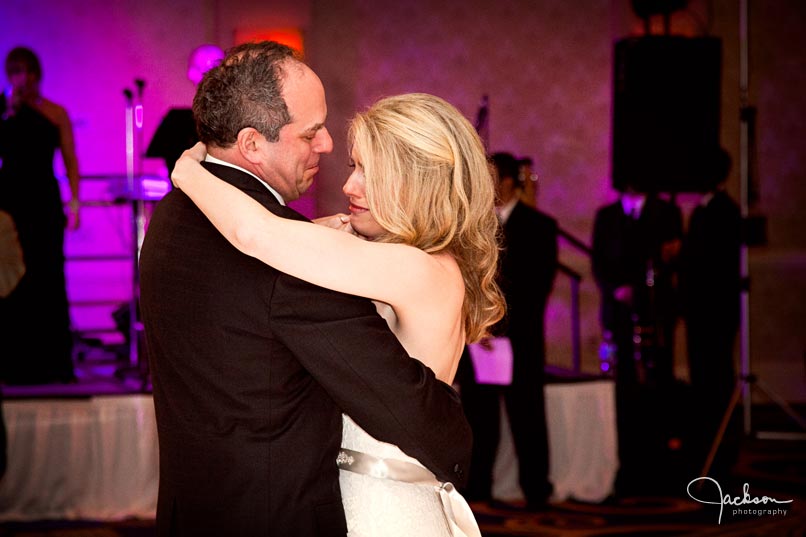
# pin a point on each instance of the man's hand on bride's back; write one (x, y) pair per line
(337, 221)
(187, 163)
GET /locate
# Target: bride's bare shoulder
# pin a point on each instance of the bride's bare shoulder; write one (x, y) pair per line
(438, 276)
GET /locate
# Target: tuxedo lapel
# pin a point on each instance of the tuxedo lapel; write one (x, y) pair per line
(513, 216)
(252, 186)
(514, 224)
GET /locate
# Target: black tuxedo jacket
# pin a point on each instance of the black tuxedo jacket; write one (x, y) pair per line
(622, 249)
(709, 263)
(252, 369)
(528, 267)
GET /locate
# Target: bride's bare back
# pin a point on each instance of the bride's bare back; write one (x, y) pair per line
(430, 329)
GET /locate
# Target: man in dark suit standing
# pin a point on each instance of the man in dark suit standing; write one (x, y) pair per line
(635, 245)
(252, 368)
(710, 288)
(528, 265)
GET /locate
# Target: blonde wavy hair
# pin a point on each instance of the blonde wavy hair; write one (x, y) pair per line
(428, 185)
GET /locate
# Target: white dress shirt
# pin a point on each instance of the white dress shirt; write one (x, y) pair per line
(276, 194)
(633, 205)
(506, 209)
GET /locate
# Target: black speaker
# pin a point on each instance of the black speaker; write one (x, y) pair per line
(666, 113)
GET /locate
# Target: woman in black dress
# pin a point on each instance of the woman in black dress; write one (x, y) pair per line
(35, 337)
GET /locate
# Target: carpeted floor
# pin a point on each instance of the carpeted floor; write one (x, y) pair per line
(774, 472)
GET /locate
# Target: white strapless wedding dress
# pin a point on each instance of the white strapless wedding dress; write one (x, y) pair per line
(378, 506)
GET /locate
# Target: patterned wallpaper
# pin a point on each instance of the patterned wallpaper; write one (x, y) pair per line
(544, 65)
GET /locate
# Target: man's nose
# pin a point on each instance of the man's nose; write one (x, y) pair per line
(324, 143)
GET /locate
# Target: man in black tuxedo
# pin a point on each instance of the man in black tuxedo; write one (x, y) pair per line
(528, 265)
(710, 295)
(253, 368)
(635, 244)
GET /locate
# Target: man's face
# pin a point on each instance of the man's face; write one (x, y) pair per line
(290, 164)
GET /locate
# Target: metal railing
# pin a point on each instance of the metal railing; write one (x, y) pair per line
(575, 279)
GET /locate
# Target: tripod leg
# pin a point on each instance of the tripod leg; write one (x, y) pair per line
(734, 400)
(781, 403)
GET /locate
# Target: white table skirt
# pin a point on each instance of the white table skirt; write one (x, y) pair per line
(91, 458)
(97, 458)
(583, 449)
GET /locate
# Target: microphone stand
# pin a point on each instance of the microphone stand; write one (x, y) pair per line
(483, 122)
(134, 143)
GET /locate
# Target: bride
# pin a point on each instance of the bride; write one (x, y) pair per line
(421, 198)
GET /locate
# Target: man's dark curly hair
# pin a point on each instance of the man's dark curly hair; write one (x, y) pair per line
(244, 90)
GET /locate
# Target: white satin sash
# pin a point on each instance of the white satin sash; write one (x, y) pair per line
(459, 516)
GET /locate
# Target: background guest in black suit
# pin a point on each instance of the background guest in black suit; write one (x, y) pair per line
(710, 293)
(635, 245)
(528, 266)
(252, 368)
(634, 237)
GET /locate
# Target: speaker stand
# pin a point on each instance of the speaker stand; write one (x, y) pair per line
(745, 383)
(747, 380)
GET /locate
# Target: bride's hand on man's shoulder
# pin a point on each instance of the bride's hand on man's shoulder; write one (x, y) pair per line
(186, 163)
(339, 221)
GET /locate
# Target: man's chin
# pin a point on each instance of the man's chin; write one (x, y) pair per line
(304, 185)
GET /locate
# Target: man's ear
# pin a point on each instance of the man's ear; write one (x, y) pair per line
(248, 142)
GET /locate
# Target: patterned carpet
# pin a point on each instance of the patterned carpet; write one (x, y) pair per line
(645, 517)
(773, 470)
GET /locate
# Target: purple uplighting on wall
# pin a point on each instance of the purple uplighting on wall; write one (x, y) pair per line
(93, 58)
(90, 54)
